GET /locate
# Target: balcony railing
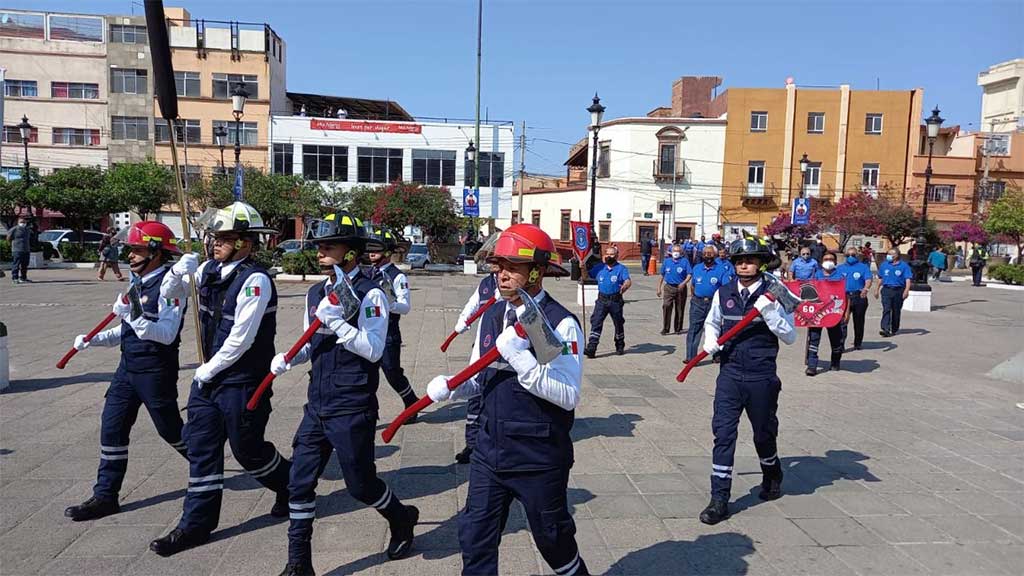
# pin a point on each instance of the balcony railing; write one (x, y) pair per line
(755, 196)
(667, 171)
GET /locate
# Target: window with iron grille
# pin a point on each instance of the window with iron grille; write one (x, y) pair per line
(127, 34)
(815, 122)
(22, 88)
(604, 159)
(12, 135)
(873, 124)
(941, 192)
(324, 163)
(76, 90)
(869, 177)
(564, 229)
(224, 85)
(182, 129)
(248, 133)
(76, 136)
(433, 167)
(127, 81)
(995, 190)
(535, 218)
(667, 160)
(758, 121)
(604, 231)
(129, 128)
(187, 84)
(283, 159)
(379, 165)
(755, 178)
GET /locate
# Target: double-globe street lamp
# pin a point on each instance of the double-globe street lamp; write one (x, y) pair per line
(920, 262)
(220, 135)
(238, 98)
(25, 129)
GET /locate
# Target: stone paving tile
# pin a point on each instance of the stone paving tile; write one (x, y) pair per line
(770, 531)
(804, 561)
(970, 528)
(877, 560)
(904, 529)
(103, 566)
(947, 559)
(838, 532)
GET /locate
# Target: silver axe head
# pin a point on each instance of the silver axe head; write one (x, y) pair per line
(545, 341)
(134, 295)
(346, 294)
(782, 295)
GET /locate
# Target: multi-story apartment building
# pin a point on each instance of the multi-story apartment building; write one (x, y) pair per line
(1002, 100)
(130, 102)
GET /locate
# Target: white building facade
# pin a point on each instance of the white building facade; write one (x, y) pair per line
(1002, 99)
(345, 153)
(656, 177)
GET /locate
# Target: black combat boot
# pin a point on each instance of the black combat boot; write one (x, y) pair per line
(280, 508)
(298, 569)
(716, 511)
(463, 457)
(402, 533)
(92, 509)
(177, 541)
(771, 486)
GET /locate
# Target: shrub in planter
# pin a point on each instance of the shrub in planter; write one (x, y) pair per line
(264, 258)
(300, 263)
(1008, 273)
(5, 251)
(73, 252)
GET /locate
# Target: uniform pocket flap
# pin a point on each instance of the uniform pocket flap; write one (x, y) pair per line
(531, 429)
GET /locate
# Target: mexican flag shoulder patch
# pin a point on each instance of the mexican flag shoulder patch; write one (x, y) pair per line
(373, 312)
(570, 348)
(172, 302)
(252, 291)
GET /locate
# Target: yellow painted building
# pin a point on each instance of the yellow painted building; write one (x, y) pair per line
(854, 140)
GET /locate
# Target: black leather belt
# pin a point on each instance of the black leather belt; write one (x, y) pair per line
(705, 298)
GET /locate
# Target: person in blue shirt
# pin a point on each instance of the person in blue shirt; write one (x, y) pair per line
(698, 248)
(828, 271)
(858, 282)
(688, 248)
(937, 260)
(706, 277)
(675, 274)
(612, 282)
(894, 286)
(804, 267)
(723, 259)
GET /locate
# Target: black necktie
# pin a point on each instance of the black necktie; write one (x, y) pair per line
(744, 294)
(510, 317)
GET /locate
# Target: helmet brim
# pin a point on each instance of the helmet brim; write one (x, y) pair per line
(552, 270)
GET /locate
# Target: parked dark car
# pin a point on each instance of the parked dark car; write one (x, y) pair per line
(289, 246)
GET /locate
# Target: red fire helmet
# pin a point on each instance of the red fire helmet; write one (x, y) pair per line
(526, 243)
(153, 235)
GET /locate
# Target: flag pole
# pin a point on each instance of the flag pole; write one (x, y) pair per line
(583, 290)
(186, 235)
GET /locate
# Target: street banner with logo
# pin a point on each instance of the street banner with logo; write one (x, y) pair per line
(471, 202)
(801, 215)
(822, 302)
(580, 239)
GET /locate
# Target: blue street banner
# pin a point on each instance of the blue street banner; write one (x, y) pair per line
(471, 202)
(580, 239)
(801, 215)
(237, 190)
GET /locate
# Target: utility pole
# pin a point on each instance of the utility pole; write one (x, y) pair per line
(985, 151)
(3, 90)
(479, 57)
(522, 169)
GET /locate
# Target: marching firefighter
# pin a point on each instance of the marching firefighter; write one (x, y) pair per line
(487, 289)
(238, 310)
(748, 379)
(148, 372)
(524, 450)
(383, 271)
(612, 283)
(341, 408)
(828, 271)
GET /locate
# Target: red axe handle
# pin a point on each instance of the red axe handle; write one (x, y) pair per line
(454, 382)
(469, 322)
(288, 356)
(721, 340)
(103, 324)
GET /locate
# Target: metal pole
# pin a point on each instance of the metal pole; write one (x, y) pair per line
(479, 56)
(238, 140)
(522, 168)
(593, 181)
(3, 89)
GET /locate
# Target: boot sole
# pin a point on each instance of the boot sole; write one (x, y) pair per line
(406, 545)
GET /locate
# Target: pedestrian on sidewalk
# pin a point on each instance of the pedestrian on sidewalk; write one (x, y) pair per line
(646, 246)
(675, 275)
(858, 283)
(894, 286)
(937, 260)
(706, 277)
(804, 267)
(829, 272)
(612, 283)
(21, 238)
(979, 257)
(109, 256)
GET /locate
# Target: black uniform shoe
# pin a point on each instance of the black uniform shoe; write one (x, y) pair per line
(177, 541)
(771, 487)
(857, 346)
(402, 534)
(716, 511)
(463, 457)
(834, 366)
(884, 334)
(664, 332)
(590, 352)
(298, 569)
(92, 509)
(679, 332)
(620, 351)
(280, 508)
(811, 371)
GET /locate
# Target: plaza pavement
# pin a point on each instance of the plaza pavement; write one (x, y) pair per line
(909, 461)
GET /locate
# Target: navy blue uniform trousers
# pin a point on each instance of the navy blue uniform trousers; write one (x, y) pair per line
(158, 391)
(391, 366)
(892, 307)
(605, 305)
(835, 341)
(352, 436)
(543, 495)
(216, 413)
(699, 308)
(858, 309)
(474, 404)
(735, 392)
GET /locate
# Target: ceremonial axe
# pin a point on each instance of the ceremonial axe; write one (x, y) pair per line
(531, 324)
(133, 297)
(341, 294)
(774, 290)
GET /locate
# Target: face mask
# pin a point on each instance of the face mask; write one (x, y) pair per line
(609, 260)
(851, 259)
(828, 265)
(677, 255)
(709, 259)
(805, 257)
(889, 258)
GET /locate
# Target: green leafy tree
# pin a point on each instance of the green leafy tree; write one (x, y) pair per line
(79, 192)
(1006, 218)
(402, 204)
(142, 186)
(14, 195)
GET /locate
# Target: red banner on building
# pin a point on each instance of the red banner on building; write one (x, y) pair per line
(364, 126)
(822, 302)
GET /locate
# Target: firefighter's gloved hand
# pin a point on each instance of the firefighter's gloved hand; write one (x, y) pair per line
(203, 375)
(460, 328)
(438, 390)
(510, 345)
(712, 348)
(763, 302)
(188, 264)
(81, 343)
(121, 306)
(334, 318)
(279, 365)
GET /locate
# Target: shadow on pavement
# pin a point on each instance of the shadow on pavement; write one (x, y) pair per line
(859, 366)
(914, 331)
(951, 304)
(613, 426)
(152, 500)
(883, 346)
(32, 384)
(648, 348)
(720, 554)
(805, 474)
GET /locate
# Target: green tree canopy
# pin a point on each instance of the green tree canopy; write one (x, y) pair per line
(277, 197)
(1006, 218)
(142, 186)
(79, 192)
(402, 204)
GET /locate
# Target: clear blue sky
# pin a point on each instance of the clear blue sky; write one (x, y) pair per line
(543, 59)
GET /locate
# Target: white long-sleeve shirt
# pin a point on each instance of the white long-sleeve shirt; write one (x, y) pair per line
(249, 312)
(774, 315)
(163, 329)
(367, 339)
(402, 304)
(472, 305)
(557, 382)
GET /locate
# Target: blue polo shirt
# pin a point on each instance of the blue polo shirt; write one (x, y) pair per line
(895, 274)
(856, 275)
(675, 271)
(728, 265)
(804, 270)
(609, 280)
(835, 276)
(707, 280)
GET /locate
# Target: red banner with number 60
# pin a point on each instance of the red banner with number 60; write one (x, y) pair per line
(822, 302)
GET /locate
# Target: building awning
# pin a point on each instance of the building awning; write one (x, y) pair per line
(323, 106)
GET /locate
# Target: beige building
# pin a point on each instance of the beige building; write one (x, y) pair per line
(1002, 100)
(56, 76)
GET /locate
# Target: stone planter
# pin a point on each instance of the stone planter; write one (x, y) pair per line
(996, 261)
(444, 252)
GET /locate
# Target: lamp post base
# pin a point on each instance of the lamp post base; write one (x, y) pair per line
(918, 301)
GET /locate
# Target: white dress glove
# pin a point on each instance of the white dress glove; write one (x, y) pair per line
(202, 375)
(121, 308)
(332, 316)
(279, 365)
(81, 343)
(712, 348)
(188, 264)
(460, 328)
(763, 302)
(438, 390)
(509, 344)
